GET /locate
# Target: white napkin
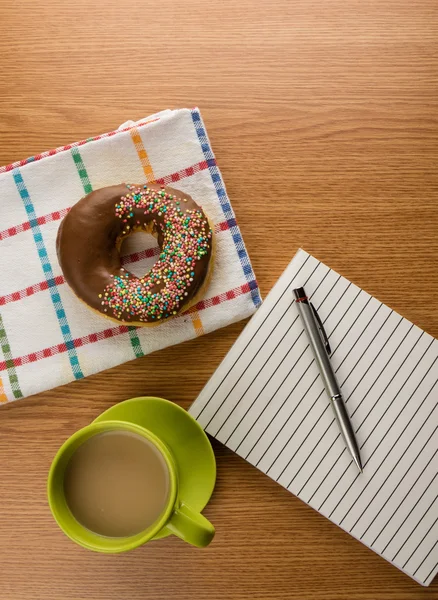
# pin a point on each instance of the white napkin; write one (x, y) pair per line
(47, 336)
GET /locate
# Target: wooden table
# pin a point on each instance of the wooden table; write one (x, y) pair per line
(323, 116)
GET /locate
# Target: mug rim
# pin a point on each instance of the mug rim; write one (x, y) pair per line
(128, 542)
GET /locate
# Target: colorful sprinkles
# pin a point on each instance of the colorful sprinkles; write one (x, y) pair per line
(185, 239)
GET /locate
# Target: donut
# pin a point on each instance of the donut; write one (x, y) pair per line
(91, 234)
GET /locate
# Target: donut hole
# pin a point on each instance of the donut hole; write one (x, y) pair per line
(139, 252)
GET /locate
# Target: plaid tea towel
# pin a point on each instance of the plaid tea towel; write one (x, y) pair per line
(47, 336)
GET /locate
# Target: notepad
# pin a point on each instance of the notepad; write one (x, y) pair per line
(266, 401)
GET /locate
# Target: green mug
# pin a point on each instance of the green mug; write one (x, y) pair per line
(176, 518)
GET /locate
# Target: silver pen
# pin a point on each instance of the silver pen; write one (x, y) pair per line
(321, 349)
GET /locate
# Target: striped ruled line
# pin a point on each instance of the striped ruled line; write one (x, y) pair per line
(47, 269)
(224, 297)
(142, 154)
(197, 323)
(9, 362)
(137, 256)
(135, 342)
(37, 157)
(61, 348)
(3, 397)
(32, 289)
(167, 179)
(197, 168)
(121, 329)
(82, 172)
(54, 216)
(225, 204)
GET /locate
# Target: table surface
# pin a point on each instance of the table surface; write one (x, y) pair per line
(323, 116)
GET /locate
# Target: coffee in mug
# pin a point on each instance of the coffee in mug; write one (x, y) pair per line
(116, 484)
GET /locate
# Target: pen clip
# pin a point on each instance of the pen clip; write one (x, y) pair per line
(322, 330)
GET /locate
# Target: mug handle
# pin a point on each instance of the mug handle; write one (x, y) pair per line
(191, 526)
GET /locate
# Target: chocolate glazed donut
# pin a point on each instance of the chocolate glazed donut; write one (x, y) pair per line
(89, 240)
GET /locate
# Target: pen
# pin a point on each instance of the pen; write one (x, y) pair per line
(321, 349)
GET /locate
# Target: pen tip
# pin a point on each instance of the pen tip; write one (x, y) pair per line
(358, 464)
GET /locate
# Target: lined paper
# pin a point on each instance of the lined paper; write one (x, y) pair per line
(266, 401)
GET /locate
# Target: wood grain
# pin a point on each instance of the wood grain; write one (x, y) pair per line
(323, 115)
